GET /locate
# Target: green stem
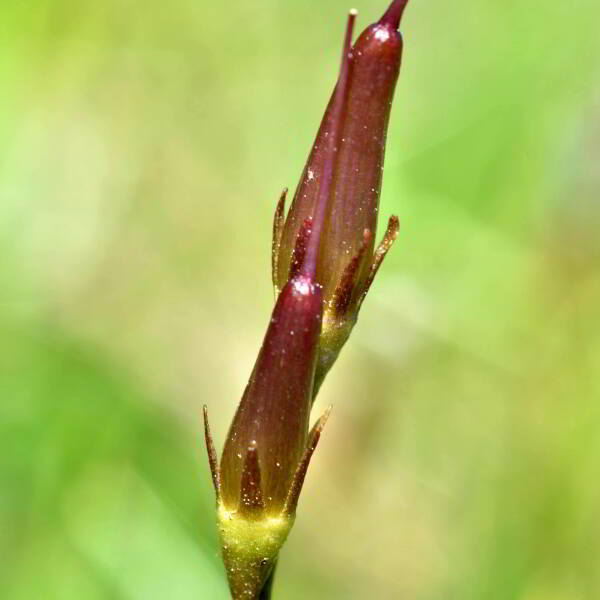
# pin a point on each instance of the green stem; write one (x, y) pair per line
(265, 593)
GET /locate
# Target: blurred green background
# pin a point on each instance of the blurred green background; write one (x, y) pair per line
(143, 146)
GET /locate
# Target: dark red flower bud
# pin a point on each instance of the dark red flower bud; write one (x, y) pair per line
(342, 178)
(268, 448)
(273, 416)
(323, 265)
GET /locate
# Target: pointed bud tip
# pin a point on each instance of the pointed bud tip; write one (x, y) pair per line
(393, 15)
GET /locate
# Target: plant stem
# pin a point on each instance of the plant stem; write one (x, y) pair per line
(265, 593)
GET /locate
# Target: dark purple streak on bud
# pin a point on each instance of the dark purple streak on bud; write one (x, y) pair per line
(251, 500)
(299, 253)
(273, 416)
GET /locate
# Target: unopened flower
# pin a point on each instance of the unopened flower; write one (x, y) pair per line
(348, 151)
(269, 446)
(323, 265)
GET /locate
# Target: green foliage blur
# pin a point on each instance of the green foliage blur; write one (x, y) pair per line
(143, 146)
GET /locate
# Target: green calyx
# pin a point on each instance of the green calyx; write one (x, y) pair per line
(250, 547)
(253, 529)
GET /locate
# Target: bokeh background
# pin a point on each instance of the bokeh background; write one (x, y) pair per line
(143, 146)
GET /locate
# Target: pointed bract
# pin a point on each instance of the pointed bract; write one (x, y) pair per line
(291, 501)
(212, 455)
(278, 223)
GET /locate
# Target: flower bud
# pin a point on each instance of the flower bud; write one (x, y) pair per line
(323, 264)
(268, 448)
(350, 144)
(273, 415)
